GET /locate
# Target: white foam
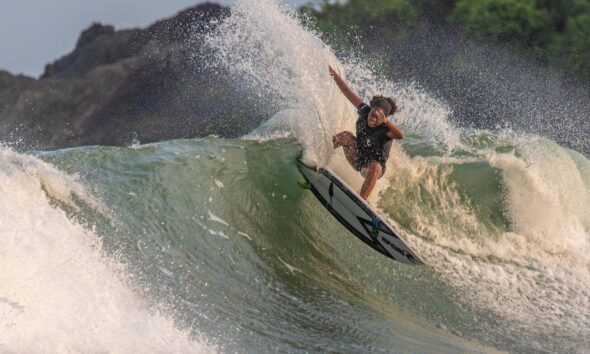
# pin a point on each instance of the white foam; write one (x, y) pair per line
(267, 48)
(243, 234)
(217, 219)
(58, 291)
(291, 268)
(537, 274)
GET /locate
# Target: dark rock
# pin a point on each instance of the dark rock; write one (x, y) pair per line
(93, 32)
(115, 85)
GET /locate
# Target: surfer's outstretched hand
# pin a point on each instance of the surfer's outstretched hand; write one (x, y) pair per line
(332, 71)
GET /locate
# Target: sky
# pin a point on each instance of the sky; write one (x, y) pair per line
(36, 32)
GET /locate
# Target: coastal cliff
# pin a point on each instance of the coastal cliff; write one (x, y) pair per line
(116, 86)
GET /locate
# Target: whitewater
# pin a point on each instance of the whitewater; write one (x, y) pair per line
(209, 245)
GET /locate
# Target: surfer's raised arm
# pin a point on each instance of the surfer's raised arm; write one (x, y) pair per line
(348, 93)
(368, 151)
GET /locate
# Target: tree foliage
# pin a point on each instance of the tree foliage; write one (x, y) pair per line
(555, 30)
(381, 16)
(573, 45)
(505, 19)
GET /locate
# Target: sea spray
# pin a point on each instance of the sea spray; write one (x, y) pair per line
(501, 218)
(266, 47)
(531, 264)
(523, 254)
(59, 292)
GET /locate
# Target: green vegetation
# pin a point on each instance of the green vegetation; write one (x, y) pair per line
(572, 46)
(557, 31)
(504, 19)
(377, 17)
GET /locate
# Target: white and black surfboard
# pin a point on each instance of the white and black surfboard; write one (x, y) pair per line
(356, 215)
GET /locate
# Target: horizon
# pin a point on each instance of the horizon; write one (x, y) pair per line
(40, 41)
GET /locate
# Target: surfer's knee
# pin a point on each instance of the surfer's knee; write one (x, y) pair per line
(348, 138)
(377, 169)
(376, 166)
(373, 170)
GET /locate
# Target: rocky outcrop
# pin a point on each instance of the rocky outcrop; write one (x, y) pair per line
(151, 84)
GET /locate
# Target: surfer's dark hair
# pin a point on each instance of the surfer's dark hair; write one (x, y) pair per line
(387, 103)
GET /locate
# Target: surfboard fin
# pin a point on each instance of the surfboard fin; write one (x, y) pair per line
(304, 185)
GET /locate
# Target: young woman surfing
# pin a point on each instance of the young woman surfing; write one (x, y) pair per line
(368, 151)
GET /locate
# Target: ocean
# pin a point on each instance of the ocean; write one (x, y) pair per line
(209, 245)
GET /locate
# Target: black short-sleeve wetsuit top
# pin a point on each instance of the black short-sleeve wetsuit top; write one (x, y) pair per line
(373, 144)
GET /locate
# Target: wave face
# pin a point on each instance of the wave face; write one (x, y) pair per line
(209, 244)
(188, 240)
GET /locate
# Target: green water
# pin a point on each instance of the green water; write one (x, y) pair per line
(217, 235)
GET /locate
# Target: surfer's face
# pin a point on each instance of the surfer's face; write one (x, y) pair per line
(376, 117)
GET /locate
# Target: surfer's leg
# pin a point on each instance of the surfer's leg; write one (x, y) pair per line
(372, 173)
(348, 142)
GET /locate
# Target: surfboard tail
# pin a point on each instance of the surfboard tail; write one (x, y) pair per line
(304, 185)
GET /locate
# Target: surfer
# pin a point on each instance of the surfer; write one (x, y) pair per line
(368, 151)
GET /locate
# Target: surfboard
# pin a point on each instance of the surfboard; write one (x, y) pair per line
(356, 214)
